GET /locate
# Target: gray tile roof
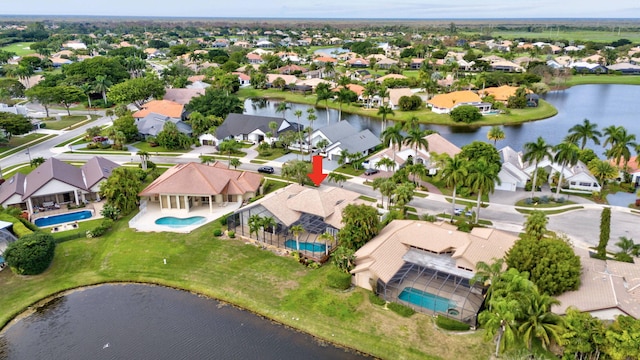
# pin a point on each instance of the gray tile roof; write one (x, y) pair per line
(97, 169)
(337, 131)
(362, 141)
(14, 185)
(241, 124)
(50, 170)
(153, 123)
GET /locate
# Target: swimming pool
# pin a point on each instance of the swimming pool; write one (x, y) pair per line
(63, 218)
(306, 246)
(175, 222)
(426, 300)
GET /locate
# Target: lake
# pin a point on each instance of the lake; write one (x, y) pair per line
(603, 104)
(135, 321)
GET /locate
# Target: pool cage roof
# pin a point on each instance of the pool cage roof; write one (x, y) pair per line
(465, 300)
(312, 223)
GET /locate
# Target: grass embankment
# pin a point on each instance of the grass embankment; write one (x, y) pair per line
(229, 270)
(603, 79)
(68, 122)
(17, 144)
(604, 35)
(517, 116)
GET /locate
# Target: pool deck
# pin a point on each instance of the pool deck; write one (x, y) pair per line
(94, 207)
(146, 222)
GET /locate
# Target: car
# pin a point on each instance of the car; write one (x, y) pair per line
(371, 171)
(468, 213)
(457, 212)
(266, 169)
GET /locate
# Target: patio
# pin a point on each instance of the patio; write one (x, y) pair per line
(145, 220)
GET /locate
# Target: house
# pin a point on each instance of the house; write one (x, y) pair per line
(511, 175)
(254, 58)
(358, 63)
(582, 67)
(187, 187)
(153, 123)
(288, 79)
(75, 45)
(332, 133)
(428, 266)
(244, 79)
(16, 109)
(163, 107)
(437, 145)
(444, 103)
(386, 63)
(507, 66)
(251, 128)
(317, 210)
(56, 182)
(416, 64)
(292, 69)
(396, 94)
(608, 288)
(501, 93)
(633, 169)
(625, 68)
(345, 137)
(182, 96)
(265, 44)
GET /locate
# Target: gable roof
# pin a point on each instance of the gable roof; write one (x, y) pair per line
(96, 170)
(450, 100)
(201, 179)
(53, 169)
(13, 186)
(241, 124)
(182, 96)
(357, 143)
(164, 107)
(153, 123)
(336, 131)
(440, 145)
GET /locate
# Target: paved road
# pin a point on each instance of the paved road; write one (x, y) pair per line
(582, 226)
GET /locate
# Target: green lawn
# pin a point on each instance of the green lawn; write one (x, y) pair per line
(349, 170)
(367, 198)
(603, 79)
(272, 286)
(550, 212)
(17, 144)
(20, 49)
(552, 33)
(67, 122)
(144, 146)
(274, 154)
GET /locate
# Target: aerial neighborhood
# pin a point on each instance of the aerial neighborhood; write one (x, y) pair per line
(364, 179)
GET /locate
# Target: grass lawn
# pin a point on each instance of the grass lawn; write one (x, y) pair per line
(349, 170)
(274, 154)
(271, 185)
(258, 161)
(550, 212)
(603, 79)
(517, 116)
(144, 146)
(272, 286)
(552, 33)
(66, 121)
(367, 198)
(21, 48)
(17, 144)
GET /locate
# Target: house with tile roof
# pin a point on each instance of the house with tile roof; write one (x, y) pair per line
(632, 168)
(501, 93)
(56, 182)
(163, 107)
(396, 94)
(254, 128)
(444, 103)
(428, 266)
(186, 187)
(181, 95)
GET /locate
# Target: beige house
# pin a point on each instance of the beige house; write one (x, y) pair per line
(428, 266)
(186, 187)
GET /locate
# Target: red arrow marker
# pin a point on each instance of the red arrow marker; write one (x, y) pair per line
(317, 176)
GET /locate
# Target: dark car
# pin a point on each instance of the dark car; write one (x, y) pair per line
(266, 169)
(371, 171)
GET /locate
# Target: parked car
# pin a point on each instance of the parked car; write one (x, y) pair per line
(457, 212)
(371, 171)
(266, 169)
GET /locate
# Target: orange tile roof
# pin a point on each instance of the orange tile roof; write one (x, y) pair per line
(162, 107)
(325, 59)
(201, 179)
(358, 89)
(632, 166)
(448, 101)
(502, 93)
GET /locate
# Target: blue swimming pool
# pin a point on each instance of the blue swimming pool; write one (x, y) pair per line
(63, 218)
(426, 300)
(175, 222)
(306, 246)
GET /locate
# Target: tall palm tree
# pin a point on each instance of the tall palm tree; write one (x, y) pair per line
(255, 223)
(87, 89)
(584, 132)
(383, 111)
(344, 96)
(621, 145)
(612, 133)
(283, 107)
(483, 176)
(495, 134)
(536, 152)
(144, 156)
(298, 114)
(392, 136)
(324, 93)
(567, 154)
(268, 222)
(488, 274)
(328, 239)
(403, 195)
(416, 139)
(337, 177)
(602, 170)
(101, 85)
(297, 230)
(388, 163)
(386, 186)
(500, 322)
(454, 173)
(311, 117)
(538, 321)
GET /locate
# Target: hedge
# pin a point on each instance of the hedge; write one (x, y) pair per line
(376, 300)
(339, 280)
(31, 254)
(18, 227)
(400, 309)
(451, 324)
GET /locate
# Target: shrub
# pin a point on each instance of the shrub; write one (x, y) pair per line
(232, 234)
(560, 200)
(19, 229)
(29, 225)
(339, 280)
(465, 113)
(544, 199)
(451, 324)
(101, 229)
(31, 254)
(217, 232)
(376, 300)
(401, 310)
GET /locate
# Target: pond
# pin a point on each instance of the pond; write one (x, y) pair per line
(135, 321)
(603, 104)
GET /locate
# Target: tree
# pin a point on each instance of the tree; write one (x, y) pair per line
(215, 102)
(345, 96)
(621, 143)
(344, 258)
(387, 187)
(311, 117)
(536, 225)
(480, 149)
(567, 154)
(268, 222)
(550, 261)
(137, 91)
(87, 71)
(283, 107)
(536, 152)
(495, 134)
(101, 85)
(500, 323)
(121, 189)
(37, 161)
(403, 195)
(235, 162)
(296, 170)
(483, 176)
(416, 138)
(255, 223)
(297, 230)
(361, 224)
(385, 111)
(31, 254)
(229, 147)
(488, 275)
(392, 137)
(144, 157)
(584, 132)
(279, 83)
(605, 232)
(538, 320)
(14, 124)
(602, 170)
(44, 95)
(465, 113)
(200, 124)
(518, 100)
(324, 93)
(454, 173)
(622, 338)
(171, 138)
(583, 336)
(127, 125)
(387, 163)
(337, 177)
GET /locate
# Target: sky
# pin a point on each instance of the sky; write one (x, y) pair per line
(414, 9)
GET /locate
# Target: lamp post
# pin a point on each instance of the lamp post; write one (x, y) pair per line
(29, 154)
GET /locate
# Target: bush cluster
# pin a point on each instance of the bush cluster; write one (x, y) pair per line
(451, 324)
(217, 232)
(401, 310)
(101, 229)
(19, 229)
(339, 280)
(376, 300)
(31, 254)
(232, 234)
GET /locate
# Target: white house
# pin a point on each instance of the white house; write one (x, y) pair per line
(248, 128)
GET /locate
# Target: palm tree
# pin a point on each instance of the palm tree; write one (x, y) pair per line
(87, 89)
(386, 186)
(101, 85)
(370, 89)
(584, 132)
(418, 170)
(344, 96)
(144, 156)
(488, 274)
(567, 154)
(628, 246)
(311, 117)
(344, 157)
(501, 320)
(454, 173)
(383, 111)
(612, 134)
(255, 223)
(602, 170)
(482, 179)
(495, 134)
(324, 93)
(229, 147)
(298, 114)
(273, 126)
(296, 230)
(387, 163)
(621, 145)
(392, 136)
(416, 138)
(283, 107)
(268, 222)
(536, 152)
(328, 239)
(383, 93)
(403, 195)
(235, 162)
(538, 321)
(337, 177)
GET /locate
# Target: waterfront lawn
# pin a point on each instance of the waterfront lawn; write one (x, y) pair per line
(603, 79)
(230, 270)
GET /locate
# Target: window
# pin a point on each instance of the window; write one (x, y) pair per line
(587, 184)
